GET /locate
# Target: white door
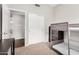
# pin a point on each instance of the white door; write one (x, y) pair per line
(36, 28)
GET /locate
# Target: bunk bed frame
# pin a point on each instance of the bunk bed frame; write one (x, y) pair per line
(58, 45)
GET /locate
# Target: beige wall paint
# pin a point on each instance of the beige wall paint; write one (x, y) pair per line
(67, 13)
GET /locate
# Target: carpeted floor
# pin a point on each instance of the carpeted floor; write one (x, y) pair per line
(35, 49)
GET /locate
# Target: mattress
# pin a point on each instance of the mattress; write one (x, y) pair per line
(63, 48)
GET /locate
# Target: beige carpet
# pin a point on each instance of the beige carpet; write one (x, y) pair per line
(35, 49)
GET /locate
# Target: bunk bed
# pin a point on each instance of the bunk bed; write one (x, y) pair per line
(70, 44)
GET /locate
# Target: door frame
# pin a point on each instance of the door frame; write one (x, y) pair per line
(25, 34)
(43, 25)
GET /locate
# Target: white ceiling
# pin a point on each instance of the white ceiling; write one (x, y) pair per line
(53, 5)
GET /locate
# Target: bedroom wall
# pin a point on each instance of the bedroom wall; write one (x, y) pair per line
(43, 10)
(5, 22)
(0, 21)
(67, 13)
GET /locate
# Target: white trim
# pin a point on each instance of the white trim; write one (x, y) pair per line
(26, 29)
(17, 10)
(36, 43)
(26, 25)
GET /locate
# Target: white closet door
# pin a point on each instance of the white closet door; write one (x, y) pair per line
(36, 29)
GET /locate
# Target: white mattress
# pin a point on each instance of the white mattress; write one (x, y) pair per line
(63, 48)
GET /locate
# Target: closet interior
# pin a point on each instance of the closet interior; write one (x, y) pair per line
(17, 27)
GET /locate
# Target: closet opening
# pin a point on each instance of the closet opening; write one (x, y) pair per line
(17, 27)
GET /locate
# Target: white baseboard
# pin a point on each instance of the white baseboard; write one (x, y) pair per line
(34, 43)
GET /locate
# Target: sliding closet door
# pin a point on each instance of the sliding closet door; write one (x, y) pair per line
(36, 28)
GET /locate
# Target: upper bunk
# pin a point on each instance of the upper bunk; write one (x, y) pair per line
(74, 27)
